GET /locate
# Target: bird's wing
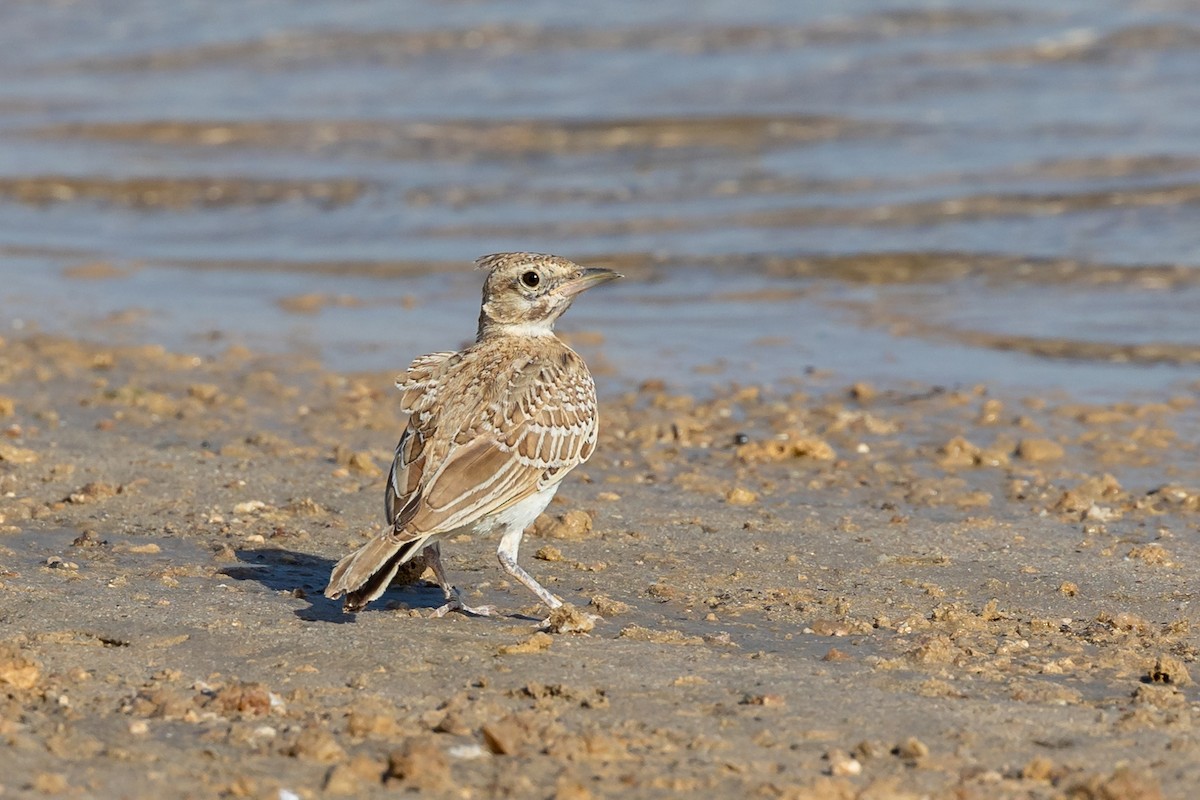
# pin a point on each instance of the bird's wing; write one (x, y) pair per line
(525, 430)
(419, 384)
(419, 388)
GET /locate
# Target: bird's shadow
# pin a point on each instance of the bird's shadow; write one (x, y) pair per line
(304, 576)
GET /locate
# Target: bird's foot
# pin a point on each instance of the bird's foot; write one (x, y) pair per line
(456, 604)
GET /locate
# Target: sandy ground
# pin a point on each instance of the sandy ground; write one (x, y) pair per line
(831, 592)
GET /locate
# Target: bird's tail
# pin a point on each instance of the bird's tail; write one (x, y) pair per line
(365, 574)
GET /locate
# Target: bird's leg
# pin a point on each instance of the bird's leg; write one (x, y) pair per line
(507, 553)
(454, 600)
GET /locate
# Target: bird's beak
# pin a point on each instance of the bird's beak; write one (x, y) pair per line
(586, 279)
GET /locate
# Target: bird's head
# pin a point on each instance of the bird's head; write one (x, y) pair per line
(525, 293)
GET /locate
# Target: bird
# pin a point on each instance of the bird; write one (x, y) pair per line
(492, 431)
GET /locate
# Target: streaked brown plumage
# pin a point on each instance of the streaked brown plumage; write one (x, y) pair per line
(492, 430)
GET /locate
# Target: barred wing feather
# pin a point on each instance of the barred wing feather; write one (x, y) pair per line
(541, 425)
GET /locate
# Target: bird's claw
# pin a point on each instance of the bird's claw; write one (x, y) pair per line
(463, 608)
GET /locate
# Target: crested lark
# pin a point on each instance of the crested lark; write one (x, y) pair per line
(492, 432)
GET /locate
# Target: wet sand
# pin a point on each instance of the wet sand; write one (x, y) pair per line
(826, 591)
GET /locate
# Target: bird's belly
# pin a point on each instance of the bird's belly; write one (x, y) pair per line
(518, 516)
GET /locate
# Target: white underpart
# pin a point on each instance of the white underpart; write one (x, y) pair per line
(518, 516)
(543, 327)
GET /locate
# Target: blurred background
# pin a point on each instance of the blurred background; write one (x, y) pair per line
(954, 192)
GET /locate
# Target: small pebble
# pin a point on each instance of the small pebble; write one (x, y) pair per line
(843, 765)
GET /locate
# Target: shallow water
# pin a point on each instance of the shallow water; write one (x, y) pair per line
(223, 156)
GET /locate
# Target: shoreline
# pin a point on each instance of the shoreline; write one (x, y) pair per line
(697, 328)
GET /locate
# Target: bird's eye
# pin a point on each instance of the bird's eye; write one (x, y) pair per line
(531, 279)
